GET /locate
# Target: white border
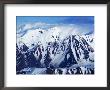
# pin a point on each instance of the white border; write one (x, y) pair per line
(100, 77)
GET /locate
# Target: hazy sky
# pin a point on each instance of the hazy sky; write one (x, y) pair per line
(55, 19)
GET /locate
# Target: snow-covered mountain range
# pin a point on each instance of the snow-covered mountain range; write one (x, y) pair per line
(56, 46)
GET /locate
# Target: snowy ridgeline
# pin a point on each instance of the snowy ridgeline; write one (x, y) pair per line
(54, 52)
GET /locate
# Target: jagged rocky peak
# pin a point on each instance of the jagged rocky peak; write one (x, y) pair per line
(70, 50)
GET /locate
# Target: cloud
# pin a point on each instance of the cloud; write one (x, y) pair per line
(82, 28)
